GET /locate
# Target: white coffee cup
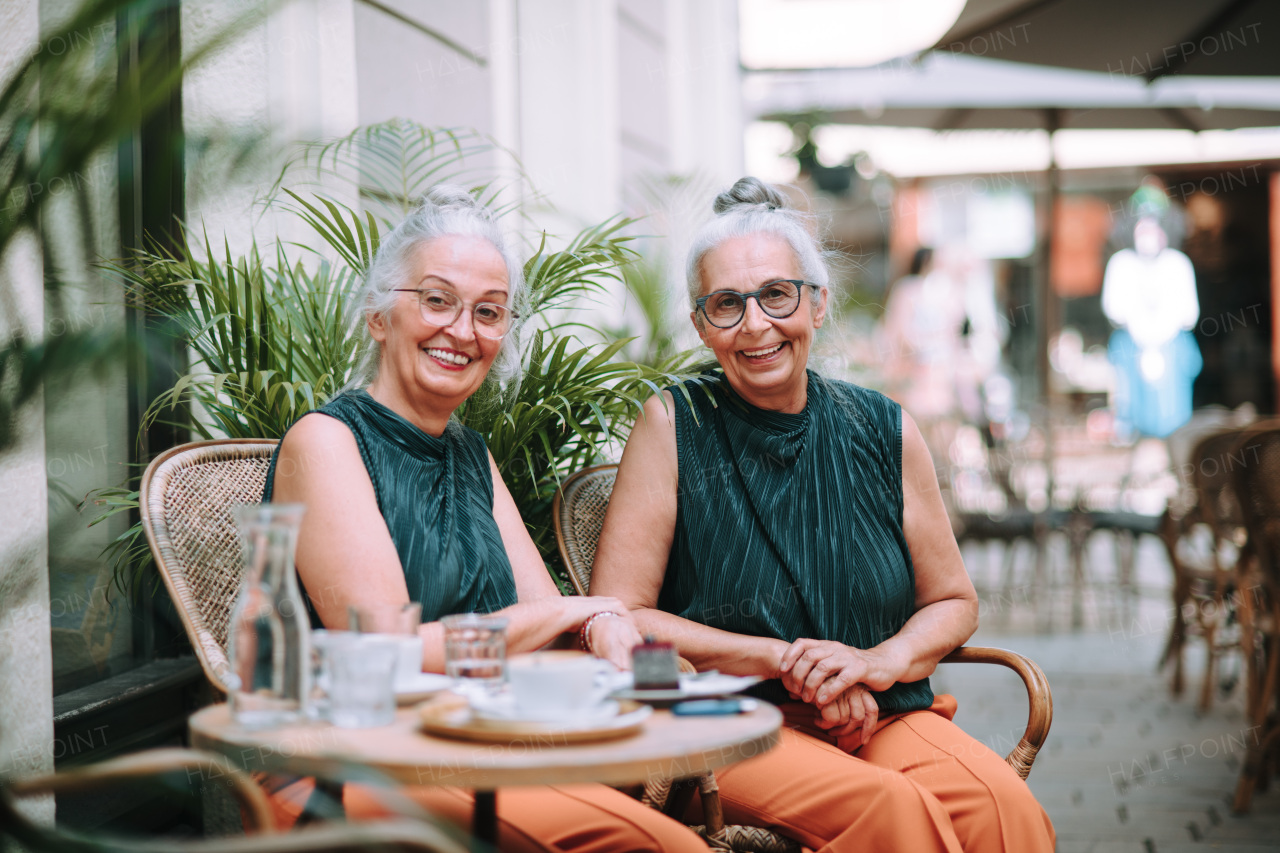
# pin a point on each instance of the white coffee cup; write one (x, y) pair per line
(556, 683)
(408, 660)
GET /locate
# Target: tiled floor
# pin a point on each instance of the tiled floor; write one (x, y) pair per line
(1126, 766)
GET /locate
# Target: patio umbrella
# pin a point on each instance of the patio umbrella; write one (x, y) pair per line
(953, 92)
(1146, 39)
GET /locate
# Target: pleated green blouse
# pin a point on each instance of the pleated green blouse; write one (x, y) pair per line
(790, 525)
(436, 496)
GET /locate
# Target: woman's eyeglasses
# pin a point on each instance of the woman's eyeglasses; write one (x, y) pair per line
(725, 309)
(443, 308)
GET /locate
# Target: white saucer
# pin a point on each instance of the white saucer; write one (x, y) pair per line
(422, 686)
(503, 707)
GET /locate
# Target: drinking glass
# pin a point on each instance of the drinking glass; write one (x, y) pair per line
(361, 669)
(399, 623)
(475, 652)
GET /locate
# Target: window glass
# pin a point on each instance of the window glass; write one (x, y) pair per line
(87, 440)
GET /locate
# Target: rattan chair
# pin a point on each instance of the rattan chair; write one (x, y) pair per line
(1256, 479)
(144, 767)
(578, 511)
(186, 497)
(1204, 583)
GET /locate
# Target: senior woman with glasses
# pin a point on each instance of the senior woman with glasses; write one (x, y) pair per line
(404, 503)
(773, 522)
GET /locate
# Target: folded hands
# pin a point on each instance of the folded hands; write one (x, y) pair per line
(838, 680)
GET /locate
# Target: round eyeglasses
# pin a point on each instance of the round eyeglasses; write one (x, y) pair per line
(725, 309)
(443, 308)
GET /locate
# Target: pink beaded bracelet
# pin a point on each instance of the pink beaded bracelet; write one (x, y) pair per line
(584, 633)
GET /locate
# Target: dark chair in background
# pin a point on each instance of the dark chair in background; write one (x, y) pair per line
(1255, 463)
(1203, 552)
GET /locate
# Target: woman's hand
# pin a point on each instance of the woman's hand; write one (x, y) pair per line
(819, 671)
(572, 610)
(613, 638)
(852, 710)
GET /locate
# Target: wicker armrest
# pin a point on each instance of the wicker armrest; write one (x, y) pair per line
(391, 836)
(253, 802)
(1039, 698)
(399, 834)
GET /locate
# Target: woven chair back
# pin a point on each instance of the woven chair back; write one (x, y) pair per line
(578, 511)
(1214, 464)
(186, 498)
(1257, 485)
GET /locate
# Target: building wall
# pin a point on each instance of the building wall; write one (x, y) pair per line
(590, 96)
(26, 667)
(291, 77)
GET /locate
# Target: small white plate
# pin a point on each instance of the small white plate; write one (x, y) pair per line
(697, 686)
(424, 685)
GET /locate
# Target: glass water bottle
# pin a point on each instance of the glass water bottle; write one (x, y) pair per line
(269, 634)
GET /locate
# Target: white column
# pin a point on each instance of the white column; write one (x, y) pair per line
(504, 78)
(567, 54)
(705, 80)
(290, 78)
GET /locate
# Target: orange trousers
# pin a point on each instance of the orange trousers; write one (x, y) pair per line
(543, 819)
(920, 784)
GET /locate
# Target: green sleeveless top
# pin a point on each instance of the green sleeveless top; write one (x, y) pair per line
(790, 525)
(436, 495)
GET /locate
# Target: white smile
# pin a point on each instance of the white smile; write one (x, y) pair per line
(763, 352)
(451, 357)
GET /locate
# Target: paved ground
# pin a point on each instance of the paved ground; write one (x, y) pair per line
(1126, 767)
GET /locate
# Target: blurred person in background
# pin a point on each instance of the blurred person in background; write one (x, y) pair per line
(940, 340)
(1149, 295)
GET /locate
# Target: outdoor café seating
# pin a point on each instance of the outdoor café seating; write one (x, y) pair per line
(1257, 485)
(1203, 549)
(187, 494)
(1002, 492)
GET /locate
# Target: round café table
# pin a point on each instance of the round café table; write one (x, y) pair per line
(667, 746)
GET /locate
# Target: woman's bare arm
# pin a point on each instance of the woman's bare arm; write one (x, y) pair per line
(631, 557)
(946, 604)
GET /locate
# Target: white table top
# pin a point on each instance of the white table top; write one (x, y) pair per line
(667, 746)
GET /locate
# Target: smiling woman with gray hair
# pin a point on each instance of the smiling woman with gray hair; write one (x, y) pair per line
(790, 526)
(406, 504)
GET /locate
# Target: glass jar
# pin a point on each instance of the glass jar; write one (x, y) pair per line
(269, 634)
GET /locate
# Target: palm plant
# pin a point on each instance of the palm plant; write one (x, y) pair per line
(272, 338)
(647, 288)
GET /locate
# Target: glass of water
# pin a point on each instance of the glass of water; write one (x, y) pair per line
(361, 672)
(397, 622)
(475, 652)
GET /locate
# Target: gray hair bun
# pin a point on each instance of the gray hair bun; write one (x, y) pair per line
(452, 196)
(750, 192)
